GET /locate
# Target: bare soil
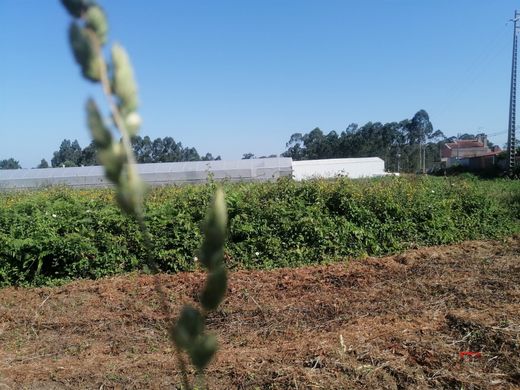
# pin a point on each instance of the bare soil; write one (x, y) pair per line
(398, 322)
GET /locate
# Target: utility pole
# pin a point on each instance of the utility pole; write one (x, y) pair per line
(424, 159)
(419, 161)
(457, 142)
(511, 136)
(420, 153)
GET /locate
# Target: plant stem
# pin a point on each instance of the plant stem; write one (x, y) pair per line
(139, 212)
(160, 291)
(107, 89)
(116, 115)
(201, 383)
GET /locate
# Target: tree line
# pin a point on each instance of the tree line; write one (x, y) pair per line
(410, 145)
(70, 154)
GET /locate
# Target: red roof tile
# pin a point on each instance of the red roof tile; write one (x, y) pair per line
(462, 144)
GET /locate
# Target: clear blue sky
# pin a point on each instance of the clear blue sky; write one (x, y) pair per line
(230, 77)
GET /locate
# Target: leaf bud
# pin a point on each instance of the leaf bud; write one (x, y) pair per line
(203, 351)
(77, 7)
(100, 134)
(130, 192)
(84, 52)
(189, 326)
(133, 123)
(214, 232)
(124, 84)
(215, 288)
(96, 20)
(113, 158)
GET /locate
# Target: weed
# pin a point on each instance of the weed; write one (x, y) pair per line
(88, 33)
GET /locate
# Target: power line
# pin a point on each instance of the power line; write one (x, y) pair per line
(498, 133)
(476, 68)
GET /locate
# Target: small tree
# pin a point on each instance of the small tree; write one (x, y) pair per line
(10, 163)
(43, 164)
(69, 154)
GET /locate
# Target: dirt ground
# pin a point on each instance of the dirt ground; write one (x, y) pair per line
(398, 322)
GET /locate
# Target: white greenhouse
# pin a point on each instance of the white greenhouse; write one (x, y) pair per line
(264, 169)
(153, 174)
(353, 168)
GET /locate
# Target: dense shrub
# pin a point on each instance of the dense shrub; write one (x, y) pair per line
(58, 234)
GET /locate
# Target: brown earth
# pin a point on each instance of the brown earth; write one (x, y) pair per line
(397, 322)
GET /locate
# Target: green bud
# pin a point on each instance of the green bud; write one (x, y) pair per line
(84, 52)
(77, 7)
(133, 123)
(214, 232)
(100, 134)
(113, 158)
(220, 210)
(189, 326)
(96, 20)
(130, 192)
(215, 289)
(211, 255)
(203, 351)
(123, 80)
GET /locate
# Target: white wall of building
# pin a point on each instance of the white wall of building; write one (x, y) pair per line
(353, 168)
(193, 172)
(198, 172)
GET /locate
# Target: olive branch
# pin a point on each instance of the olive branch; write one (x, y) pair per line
(88, 34)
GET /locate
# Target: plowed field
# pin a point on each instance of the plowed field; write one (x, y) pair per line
(399, 322)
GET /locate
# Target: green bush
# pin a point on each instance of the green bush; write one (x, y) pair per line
(51, 235)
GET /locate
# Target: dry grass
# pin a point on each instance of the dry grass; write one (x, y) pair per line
(392, 323)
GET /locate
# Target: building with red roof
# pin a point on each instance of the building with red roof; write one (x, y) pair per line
(460, 151)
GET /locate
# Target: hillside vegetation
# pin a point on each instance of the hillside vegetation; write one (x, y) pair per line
(58, 234)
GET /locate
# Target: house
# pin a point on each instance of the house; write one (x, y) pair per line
(480, 163)
(460, 151)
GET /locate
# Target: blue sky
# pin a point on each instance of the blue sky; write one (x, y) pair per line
(230, 77)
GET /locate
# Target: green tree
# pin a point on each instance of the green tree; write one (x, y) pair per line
(43, 164)
(419, 128)
(89, 156)
(397, 143)
(163, 150)
(10, 163)
(209, 157)
(316, 145)
(68, 155)
(295, 147)
(190, 154)
(142, 149)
